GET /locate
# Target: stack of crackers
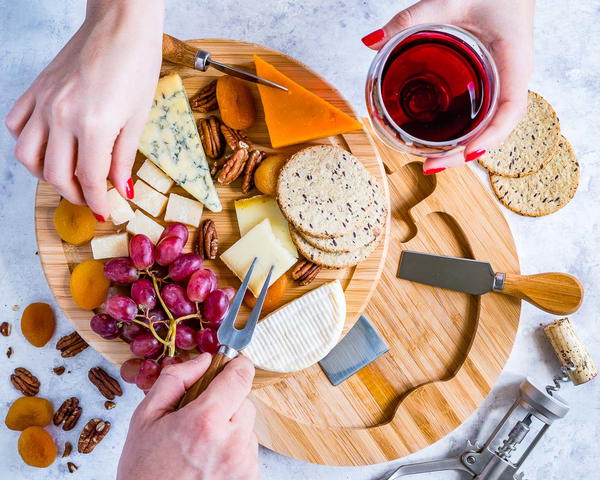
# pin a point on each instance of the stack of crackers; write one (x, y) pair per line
(535, 171)
(336, 209)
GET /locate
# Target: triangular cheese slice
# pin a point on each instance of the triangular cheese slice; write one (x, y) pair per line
(297, 115)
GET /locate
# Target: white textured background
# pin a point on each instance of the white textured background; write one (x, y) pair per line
(326, 35)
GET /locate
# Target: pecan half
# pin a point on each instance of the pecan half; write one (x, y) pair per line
(25, 382)
(208, 241)
(70, 345)
(212, 138)
(233, 137)
(109, 405)
(305, 272)
(206, 99)
(72, 467)
(9, 352)
(256, 156)
(59, 370)
(217, 165)
(68, 449)
(92, 434)
(68, 414)
(234, 166)
(107, 385)
(5, 329)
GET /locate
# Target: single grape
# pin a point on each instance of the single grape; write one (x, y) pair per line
(120, 270)
(159, 320)
(121, 308)
(200, 284)
(105, 326)
(230, 292)
(147, 374)
(143, 293)
(166, 361)
(157, 315)
(130, 368)
(215, 306)
(183, 266)
(175, 230)
(185, 337)
(168, 249)
(141, 251)
(176, 300)
(131, 330)
(214, 324)
(145, 345)
(207, 341)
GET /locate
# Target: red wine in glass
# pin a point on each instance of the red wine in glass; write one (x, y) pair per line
(430, 88)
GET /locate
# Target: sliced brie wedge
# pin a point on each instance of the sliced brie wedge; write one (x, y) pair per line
(300, 333)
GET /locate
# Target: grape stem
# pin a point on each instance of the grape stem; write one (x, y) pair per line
(150, 325)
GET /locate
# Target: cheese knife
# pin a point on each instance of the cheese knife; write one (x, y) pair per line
(557, 293)
(176, 51)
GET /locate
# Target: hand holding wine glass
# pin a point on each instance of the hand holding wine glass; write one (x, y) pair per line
(506, 29)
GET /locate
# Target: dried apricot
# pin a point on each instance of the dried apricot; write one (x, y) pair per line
(274, 295)
(38, 324)
(29, 412)
(89, 285)
(267, 173)
(75, 224)
(37, 447)
(236, 104)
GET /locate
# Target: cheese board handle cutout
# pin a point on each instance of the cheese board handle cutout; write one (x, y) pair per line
(557, 293)
(217, 364)
(176, 51)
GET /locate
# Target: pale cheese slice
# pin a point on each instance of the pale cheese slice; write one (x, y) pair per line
(120, 210)
(183, 210)
(154, 177)
(253, 210)
(141, 224)
(110, 246)
(300, 333)
(148, 199)
(171, 140)
(259, 242)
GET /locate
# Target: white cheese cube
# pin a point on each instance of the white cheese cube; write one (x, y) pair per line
(141, 224)
(154, 177)
(252, 211)
(110, 246)
(259, 242)
(120, 210)
(184, 210)
(148, 199)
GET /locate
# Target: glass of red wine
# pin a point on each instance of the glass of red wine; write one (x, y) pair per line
(431, 89)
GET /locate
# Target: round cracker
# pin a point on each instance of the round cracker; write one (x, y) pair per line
(328, 259)
(324, 191)
(530, 145)
(361, 237)
(545, 191)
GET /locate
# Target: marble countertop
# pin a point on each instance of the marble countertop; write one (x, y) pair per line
(326, 36)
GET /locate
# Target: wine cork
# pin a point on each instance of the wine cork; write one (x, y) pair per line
(568, 346)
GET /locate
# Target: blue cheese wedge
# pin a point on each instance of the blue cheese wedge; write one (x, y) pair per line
(183, 210)
(154, 177)
(148, 199)
(300, 333)
(171, 141)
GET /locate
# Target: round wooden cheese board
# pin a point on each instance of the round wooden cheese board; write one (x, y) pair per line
(446, 348)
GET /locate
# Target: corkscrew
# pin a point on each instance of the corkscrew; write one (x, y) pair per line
(494, 460)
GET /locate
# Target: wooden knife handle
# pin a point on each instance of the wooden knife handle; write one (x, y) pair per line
(217, 365)
(176, 51)
(557, 293)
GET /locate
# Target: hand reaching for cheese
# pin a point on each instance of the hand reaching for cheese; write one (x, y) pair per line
(80, 121)
(210, 438)
(506, 28)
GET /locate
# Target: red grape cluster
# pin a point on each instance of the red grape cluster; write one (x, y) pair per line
(174, 305)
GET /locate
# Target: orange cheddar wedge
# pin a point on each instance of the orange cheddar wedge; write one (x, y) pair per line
(297, 115)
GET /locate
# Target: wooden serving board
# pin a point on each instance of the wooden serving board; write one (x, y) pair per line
(446, 348)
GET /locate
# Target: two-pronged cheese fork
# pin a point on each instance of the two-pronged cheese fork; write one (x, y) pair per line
(231, 339)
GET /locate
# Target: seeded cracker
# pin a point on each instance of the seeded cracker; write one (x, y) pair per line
(325, 192)
(530, 145)
(328, 259)
(543, 192)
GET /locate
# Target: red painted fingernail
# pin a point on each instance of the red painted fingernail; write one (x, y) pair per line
(373, 37)
(129, 189)
(100, 218)
(474, 155)
(431, 171)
